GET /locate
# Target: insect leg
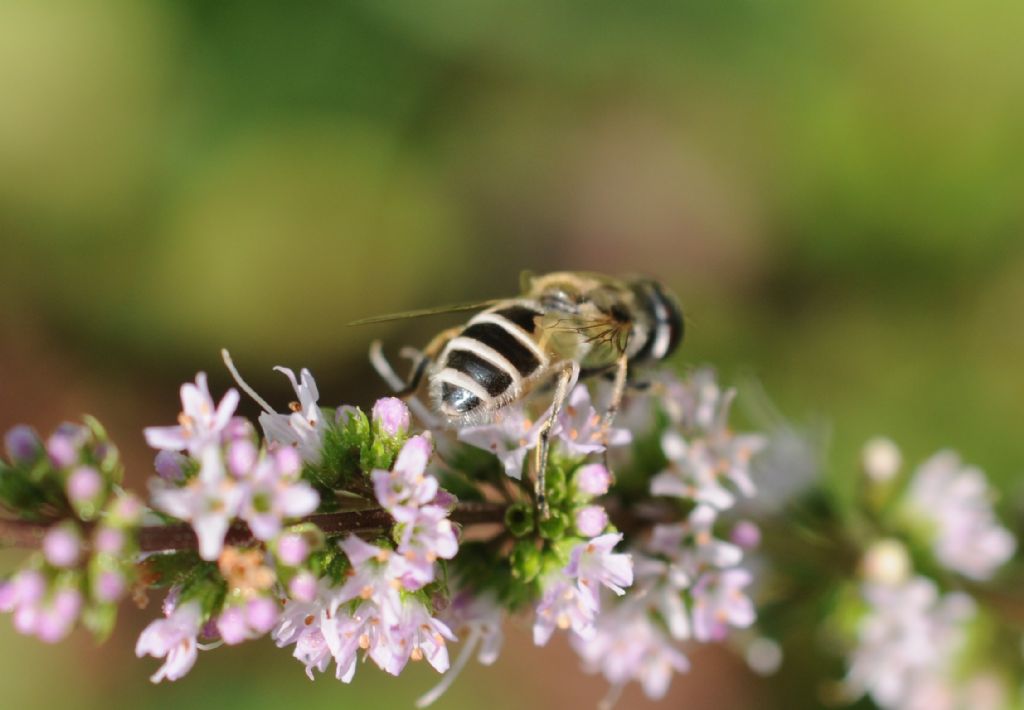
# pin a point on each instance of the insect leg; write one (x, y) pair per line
(618, 390)
(383, 367)
(421, 360)
(567, 376)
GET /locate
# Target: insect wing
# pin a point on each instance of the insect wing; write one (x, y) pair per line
(423, 312)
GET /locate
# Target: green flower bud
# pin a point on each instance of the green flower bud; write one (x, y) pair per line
(527, 561)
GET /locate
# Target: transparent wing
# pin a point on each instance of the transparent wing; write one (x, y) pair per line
(599, 330)
(404, 315)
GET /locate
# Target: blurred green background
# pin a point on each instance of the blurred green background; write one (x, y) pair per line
(833, 189)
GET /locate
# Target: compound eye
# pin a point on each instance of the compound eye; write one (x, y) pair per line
(619, 313)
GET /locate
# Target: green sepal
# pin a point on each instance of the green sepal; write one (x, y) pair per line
(167, 569)
(519, 519)
(342, 451)
(18, 492)
(329, 562)
(206, 586)
(103, 453)
(555, 526)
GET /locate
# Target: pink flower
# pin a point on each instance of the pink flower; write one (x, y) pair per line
(200, 424)
(421, 636)
(209, 501)
(424, 539)
(692, 545)
(957, 502)
(592, 480)
(173, 639)
(84, 485)
(591, 520)
(56, 619)
(303, 587)
(691, 473)
(476, 620)
(62, 545)
(407, 486)
(170, 466)
(628, 646)
(594, 565)
(391, 415)
(64, 445)
(251, 620)
(22, 445)
(292, 549)
(719, 602)
(376, 575)
(564, 606)
(273, 492)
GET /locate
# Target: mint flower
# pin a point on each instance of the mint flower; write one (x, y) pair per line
(174, 640)
(209, 501)
(628, 646)
(692, 545)
(23, 445)
(908, 642)
(250, 620)
(423, 635)
(427, 537)
(572, 596)
(564, 606)
(956, 501)
(579, 427)
(304, 427)
(719, 602)
(48, 614)
(273, 492)
(391, 415)
(407, 486)
(691, 473)
(200, 424)
(510, 437)
(594, 565)
(376, 575)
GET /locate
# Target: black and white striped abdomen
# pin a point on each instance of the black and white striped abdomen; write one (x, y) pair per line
(485, 365)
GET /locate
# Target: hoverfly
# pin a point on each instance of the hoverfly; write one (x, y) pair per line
(565, 325)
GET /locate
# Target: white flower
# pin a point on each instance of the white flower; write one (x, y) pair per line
(200, 423)
(691, 544)
(565, 606)
(628, 646)
(173, 639)
(691, 473)
(908, 640)
(956, 500)
(579, 428)
(594, 565)
(304, 427)
(509, 437)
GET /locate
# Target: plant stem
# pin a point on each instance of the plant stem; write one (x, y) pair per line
(179, 536)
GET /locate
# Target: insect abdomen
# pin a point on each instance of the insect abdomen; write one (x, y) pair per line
(484, 366)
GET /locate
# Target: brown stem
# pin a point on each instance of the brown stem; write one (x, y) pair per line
(179, 536)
